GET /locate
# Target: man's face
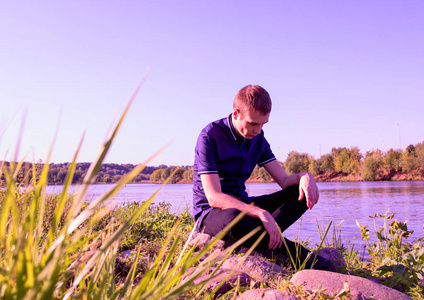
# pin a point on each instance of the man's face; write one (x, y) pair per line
(249, 122)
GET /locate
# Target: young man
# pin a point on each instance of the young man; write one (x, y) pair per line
(226, 153)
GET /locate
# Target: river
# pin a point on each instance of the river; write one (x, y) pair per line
(340, 202)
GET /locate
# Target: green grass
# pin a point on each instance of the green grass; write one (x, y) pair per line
(398, 262)
(62, 247)
(158, 238)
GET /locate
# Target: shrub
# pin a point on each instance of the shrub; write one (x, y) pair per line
(373, 161)
(296, 163)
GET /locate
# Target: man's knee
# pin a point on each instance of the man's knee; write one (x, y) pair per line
(293, 191)
(218, 219)
(231, 213)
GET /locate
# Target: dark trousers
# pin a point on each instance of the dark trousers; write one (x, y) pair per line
(284, 207)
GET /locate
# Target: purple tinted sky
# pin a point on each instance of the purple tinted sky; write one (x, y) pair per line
(340, 73)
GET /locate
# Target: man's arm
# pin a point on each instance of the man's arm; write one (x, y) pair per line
(306, 182)
(217, 199)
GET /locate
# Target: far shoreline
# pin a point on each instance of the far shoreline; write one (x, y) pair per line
(319, 178)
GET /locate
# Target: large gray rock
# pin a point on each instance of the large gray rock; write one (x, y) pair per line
(127, 253)
(228, 279)
(131, 254)
(258, 268)
(333, 283)
(266, 294)
(335, 256)
(202, 239)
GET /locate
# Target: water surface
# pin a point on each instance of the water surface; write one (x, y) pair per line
(340, 202)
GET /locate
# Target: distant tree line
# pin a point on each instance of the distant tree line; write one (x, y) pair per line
(179, 174)
(341, 163)
(374, 165)
(109, 173)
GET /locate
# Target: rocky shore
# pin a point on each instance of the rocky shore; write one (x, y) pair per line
(249, 273)
(256, 269)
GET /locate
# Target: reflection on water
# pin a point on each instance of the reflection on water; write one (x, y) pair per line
(344, 203)
(340, 202)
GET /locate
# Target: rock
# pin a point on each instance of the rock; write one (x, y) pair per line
(234, 278)
(258, 268)
(125, 260)
(376, 280)
(333, 283)
(127, 253)
(355, 295)
(335, 256)
(280, 259)
(202, 239)
(266, 294)
(131, 254)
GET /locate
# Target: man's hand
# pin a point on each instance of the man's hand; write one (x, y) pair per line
(308, 188)
(275, 239)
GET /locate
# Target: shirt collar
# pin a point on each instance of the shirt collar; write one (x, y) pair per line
(236, 136)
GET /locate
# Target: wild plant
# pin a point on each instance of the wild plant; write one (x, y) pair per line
(399, 263)
(336, 237)
(346, 248)
(297, 261)
(151, 227)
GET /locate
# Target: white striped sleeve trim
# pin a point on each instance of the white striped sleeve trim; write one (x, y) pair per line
(267, 161)
(207, 172)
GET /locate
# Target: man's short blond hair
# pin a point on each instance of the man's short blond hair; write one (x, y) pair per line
(253, 96)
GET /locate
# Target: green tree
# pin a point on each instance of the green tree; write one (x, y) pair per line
(326, 163)
(314, 167)
(178, 174)
(156, 175)
(393, 160)
(264, 175)
(255, 172)
(166, 173)
(419, 152)
(347, 160)
(116, 178)
(107, 178)
(188, 174)
(340, 159)
(409, 159)
(296, 162)
(373, 161)
(355, 158)
(61, 176)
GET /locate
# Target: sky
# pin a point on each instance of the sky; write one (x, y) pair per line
(340, 74)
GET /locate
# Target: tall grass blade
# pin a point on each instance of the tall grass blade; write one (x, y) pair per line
(127, 287)
(96, 165)
(320, 245)
(193, 230)
(152, 286)
(20, 135)
(108, 243)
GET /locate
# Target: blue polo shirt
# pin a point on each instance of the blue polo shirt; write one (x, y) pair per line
(221, 150)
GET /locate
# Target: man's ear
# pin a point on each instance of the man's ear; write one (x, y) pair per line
(236, 113)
